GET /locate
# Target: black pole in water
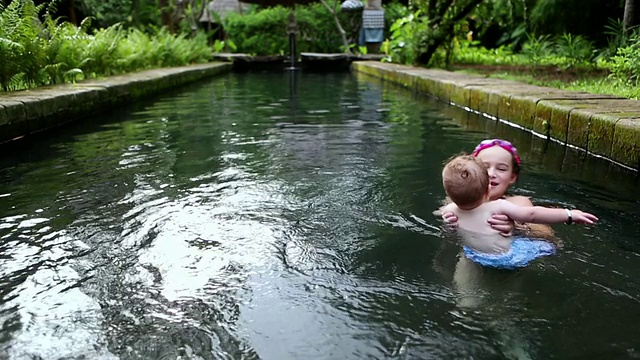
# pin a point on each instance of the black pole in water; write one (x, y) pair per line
(293, 88)
(292, 27)
(292, 49)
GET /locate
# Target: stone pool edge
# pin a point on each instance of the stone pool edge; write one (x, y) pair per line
(603, 125)
(31, 111)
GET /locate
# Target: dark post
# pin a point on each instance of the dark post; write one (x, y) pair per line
(292, 28)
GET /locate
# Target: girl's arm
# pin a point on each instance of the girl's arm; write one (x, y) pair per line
(543, 215)
(506, 226)
(531, 230)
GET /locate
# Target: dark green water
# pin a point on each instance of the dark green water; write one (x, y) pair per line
(264, 216)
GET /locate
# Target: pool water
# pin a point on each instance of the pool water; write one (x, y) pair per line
(289, 215)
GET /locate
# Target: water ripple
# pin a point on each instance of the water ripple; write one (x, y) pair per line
(286, 216)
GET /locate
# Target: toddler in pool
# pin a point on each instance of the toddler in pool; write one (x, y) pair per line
(466, 182)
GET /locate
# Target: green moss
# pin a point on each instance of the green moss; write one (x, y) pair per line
(444, 91)
(601, 129)
(477, 98)
(427, 86)
(504, 105)
(459, 95)
(578, 130)
(522, 110)
(493, 103)
(559, 121)
(405, 79)
(542, 117)
(626, 142)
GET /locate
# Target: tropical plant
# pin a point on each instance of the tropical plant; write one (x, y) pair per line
(500, 22)
(20, 47)
(551, 17)
(625, 65)
(436, 24)
(537, 48)
(394, 11)
(575, 48)
(65, 50)
(34, 52)
(618, 36)
(402, 46)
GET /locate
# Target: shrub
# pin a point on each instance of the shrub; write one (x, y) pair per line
(625, 65)
(574, 48)
(261, 33)
(264, 32)
(35, 52)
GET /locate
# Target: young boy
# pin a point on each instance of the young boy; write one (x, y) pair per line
(466, 182)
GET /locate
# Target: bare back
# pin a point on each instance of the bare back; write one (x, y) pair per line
(476, 231)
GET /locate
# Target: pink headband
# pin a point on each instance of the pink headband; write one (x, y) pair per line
(484, 144)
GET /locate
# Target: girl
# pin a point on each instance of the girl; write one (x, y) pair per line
(503, 165)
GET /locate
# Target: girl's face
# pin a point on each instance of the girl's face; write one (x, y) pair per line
(499, 163)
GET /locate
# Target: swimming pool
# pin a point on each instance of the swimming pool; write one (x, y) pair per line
(287, 216)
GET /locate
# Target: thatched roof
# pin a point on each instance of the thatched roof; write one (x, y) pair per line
(222, 8)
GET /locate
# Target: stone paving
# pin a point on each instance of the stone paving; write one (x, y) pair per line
(604, 125)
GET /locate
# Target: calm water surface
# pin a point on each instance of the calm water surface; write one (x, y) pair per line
(264, 216)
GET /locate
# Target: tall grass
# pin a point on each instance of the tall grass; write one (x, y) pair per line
(36, 49)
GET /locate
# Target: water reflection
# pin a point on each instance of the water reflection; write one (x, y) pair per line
(262, 216)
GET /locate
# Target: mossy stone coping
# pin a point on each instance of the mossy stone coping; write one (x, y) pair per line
(604, 125)
(29, 111)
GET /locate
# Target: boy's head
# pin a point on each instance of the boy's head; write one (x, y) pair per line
(466, 181)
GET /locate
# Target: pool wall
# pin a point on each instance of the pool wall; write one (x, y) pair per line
(30, 111)
(604, 125)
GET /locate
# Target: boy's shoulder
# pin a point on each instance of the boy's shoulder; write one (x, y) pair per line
(496, 204)
(520, 200)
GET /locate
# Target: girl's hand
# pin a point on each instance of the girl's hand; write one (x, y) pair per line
(451, 220)
(580, 217)
(502, 223)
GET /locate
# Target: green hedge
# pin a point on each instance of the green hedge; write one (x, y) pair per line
(264, 32)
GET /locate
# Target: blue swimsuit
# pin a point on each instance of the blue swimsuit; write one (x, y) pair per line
(523, 251)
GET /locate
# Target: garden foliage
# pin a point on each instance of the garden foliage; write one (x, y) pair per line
(36, 49)
(264, 31)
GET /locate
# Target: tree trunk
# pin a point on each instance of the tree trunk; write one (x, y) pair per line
(425, 57)
(343, 34)
(631, 13)
(72, 13)
(442, 28)
(165, 14)
(135, 8)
